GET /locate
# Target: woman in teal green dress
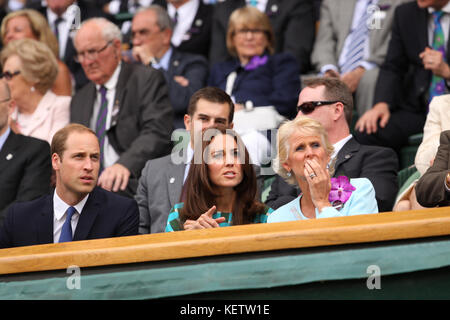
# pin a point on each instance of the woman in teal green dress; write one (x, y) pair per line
(220, 189)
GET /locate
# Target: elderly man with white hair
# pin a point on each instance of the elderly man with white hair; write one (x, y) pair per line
(127, 105)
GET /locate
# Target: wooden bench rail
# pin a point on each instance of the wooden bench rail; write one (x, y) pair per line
(230, 240)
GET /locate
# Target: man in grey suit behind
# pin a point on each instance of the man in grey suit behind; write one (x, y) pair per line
(352, 43)
(162, 179)
(127, 105)
(184, 72)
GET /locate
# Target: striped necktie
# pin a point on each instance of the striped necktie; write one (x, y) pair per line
(358, 37)
(56, 24)
(66, 231)
(437, 86)
(100, 125)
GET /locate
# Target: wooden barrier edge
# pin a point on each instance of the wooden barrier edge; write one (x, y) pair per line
(230, 240)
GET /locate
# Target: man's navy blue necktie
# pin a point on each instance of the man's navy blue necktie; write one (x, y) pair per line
(66, 231)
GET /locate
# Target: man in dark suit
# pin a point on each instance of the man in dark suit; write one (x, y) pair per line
(192, 25)
(63, 17)
(433, 188)
(127, 105)
(292, 21)
(185, 73)
(350, 158)
(403, 88)
(25, 166)
(77, 209)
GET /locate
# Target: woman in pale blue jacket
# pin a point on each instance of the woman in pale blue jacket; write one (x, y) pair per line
(304, 157)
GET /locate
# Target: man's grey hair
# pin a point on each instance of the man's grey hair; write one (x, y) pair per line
(110, 31)
(163, 20)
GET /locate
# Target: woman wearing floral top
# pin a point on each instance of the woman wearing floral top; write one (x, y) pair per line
(220, 189)
(303, 157)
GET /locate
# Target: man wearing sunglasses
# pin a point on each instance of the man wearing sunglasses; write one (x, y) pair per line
(329, 101)
(127, 105)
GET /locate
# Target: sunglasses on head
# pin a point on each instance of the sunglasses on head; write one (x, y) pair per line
(308, 107)
(8, 75)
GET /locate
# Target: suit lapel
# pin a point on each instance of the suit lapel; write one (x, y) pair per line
(421, 28)
(346, 9)
(175, 176)
(346, 153)
(88, 108)
(8, 150)
(121, 89)
(44, 221)
(88, 215)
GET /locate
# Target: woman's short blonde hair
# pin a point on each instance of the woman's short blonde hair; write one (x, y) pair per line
(39, 27)
(39, 65)
(249, 17)
(306, 127)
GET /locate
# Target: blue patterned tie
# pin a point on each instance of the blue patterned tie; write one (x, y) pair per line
(437, 86)
(358, 36)
(100, 125)
(66, 231)
(253, 3)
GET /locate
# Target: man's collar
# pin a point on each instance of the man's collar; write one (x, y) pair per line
(190, 6)
(4, 136)
(164, 61)
(445, 8)
(112, 82)
(60, 207)
(338, 145)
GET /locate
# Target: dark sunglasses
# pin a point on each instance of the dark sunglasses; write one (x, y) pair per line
(308, 107)
(8, 75)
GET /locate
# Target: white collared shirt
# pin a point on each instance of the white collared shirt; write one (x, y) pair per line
(445, 23)
(190, 155)
(59, 215)
(110, 156)
(63, 28)
(186, 15)
(3, 137)
(338, 145)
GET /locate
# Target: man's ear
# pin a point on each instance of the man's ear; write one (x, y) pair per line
(338, 110)
(56, 161)
(231, 125)
(187, 122)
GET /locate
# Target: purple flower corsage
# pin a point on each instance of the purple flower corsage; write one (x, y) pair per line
(255, 62)
(341, 190)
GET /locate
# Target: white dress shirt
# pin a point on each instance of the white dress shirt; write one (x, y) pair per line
(64, 28)
(59, 215)
(338, 145)
(186, 15)
(445, 23)
(110, 156)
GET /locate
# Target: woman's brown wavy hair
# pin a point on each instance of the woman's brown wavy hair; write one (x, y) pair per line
(199, 193)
